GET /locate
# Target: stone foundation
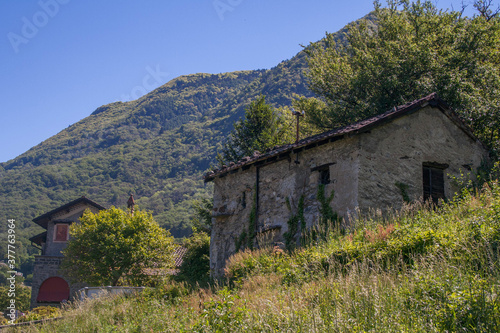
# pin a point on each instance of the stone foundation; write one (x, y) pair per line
(46, 267)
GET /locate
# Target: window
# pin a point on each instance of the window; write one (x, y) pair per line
(324, 173)
(324, 176)
(433, 178)
(61, 232)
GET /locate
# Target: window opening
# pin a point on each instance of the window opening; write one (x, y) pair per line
(61, 232)
(324, 176)
(433, 178)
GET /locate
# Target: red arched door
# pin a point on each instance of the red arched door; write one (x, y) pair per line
(54, 289)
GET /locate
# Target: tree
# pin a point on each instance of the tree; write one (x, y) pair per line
(263, 127)
(22, 297)
(115, 247)
(404, 52)
(195, 267)
(202, 219)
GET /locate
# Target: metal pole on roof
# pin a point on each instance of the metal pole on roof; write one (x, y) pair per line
(298, 115)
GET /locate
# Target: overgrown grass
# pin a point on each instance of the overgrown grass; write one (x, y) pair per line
(423, 270)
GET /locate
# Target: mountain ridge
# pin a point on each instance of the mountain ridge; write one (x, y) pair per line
(103, 144)
(156, 147)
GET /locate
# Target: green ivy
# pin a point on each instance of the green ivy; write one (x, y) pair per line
(326, 211)
(252, 223)
(249, 235)
(404, 191)
(240, 240)
(328, 219)
(293, 223)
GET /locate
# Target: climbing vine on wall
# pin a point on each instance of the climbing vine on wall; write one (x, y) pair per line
(294, 222)
(328, 218)
(252, 223)
(326, 211)
(404, 191)
(248, 236)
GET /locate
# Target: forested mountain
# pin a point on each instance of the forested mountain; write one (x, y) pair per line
(156, 147)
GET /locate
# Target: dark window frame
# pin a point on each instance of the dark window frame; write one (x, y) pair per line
(433, 181)
(324, 176)
(324, 173)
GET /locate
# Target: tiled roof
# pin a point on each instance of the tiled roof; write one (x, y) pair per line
(279, 152)
(42, 220)
(40, 238)
(179, 255)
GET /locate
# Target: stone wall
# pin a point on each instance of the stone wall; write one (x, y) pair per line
(235, 194)
(363, 171)
(396, 152)
(46, 267)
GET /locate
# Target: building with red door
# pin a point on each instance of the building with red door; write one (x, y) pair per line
(49, 286)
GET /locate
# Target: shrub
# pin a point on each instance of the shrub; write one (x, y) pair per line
(169, 291)
(41, 312)
(195, 267)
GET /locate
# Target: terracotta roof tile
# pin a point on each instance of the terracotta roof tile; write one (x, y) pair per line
(179, 255)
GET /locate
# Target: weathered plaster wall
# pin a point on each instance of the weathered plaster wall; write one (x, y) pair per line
(395, 152)
(234, 194)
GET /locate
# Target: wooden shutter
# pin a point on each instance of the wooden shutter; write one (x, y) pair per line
(433, 179)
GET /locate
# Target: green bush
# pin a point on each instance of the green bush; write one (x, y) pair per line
(41, 312)
(169, 291)
(195, 267)
(221, 314)
(23, 297)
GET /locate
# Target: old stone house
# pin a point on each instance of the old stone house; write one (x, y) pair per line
(410, 151)
(49, 286)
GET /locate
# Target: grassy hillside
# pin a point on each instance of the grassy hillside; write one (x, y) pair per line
(423, 270)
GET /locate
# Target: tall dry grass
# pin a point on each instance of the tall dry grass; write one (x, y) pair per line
(422, 270)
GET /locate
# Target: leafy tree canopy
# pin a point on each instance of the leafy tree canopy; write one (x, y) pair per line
(262, 127)
(22, 297)
(114, 247)
(195, 267)
(403, 52)
(202, 219)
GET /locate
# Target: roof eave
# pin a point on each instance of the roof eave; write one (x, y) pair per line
(432, 100)
(43, 219)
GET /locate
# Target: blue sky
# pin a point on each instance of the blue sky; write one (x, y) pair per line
(61, 59)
